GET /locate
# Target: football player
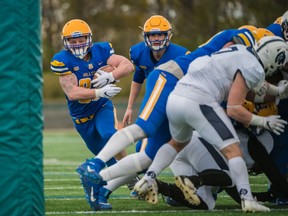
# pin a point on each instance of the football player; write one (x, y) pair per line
(210, 80)
(156, 49)
(152, 121)
(279, 153)
(91, 110)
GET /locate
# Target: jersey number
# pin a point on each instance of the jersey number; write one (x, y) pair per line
(86, 83)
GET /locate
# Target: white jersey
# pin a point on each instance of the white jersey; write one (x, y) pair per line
(210, 77)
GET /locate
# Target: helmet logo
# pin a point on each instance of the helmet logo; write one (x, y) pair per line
(280, 58)
(76, 34)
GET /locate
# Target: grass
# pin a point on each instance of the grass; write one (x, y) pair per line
(64, 150)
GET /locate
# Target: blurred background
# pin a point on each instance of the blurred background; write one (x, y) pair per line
(117, 21)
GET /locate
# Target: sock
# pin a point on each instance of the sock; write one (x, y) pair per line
(130, 164)
(239, 175)
(212, 177)
(117, 182)
(120, 140)
(162, 160)
(111, 162)
(99, 164)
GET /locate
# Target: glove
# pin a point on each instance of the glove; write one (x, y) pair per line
(103, 79)
(273, 123)
(107, 91)
(262, 89)
(283, 89)
(260, 92)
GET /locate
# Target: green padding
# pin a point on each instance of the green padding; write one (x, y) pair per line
(21, 119)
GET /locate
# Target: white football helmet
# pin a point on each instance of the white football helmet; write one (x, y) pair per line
(272, 53)
(284, 25)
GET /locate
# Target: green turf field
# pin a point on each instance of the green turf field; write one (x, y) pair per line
(64, 150)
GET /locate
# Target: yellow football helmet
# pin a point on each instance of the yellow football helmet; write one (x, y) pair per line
(73, 29)
(157, 25)
(278, 20)
(284, 25)
(249, 27)
(262, 32)
(261, 109)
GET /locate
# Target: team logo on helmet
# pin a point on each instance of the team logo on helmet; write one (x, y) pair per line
(280, 58)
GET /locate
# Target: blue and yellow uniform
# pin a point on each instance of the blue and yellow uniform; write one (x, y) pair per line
(144, 62)
(160, 82)
(93, 119)
(157, 33)
(275, 28)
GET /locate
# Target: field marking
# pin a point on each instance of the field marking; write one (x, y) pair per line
(149, 212)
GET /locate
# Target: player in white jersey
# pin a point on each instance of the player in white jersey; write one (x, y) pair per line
(194, 104)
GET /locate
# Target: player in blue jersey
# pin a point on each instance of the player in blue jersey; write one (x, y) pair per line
(90, 108)
(280, 26)
(152, 121)
(156, 49)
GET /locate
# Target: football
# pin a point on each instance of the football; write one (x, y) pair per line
(106, 68)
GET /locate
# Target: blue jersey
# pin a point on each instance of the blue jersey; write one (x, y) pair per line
(275, 29)
(243, 36)
(141, 57)
(93, 119)
(65, 62)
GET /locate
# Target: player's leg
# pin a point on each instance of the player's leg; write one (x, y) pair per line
(264, 160)
(220, 132)
(107, 190)
(146, 125)
(131, 164)
(167, 152)
(95, 142)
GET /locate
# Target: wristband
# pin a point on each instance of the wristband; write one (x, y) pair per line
(259, 98)
(256, 121)
(273, 90)
(97, 93)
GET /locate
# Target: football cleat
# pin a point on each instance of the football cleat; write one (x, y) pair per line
(88, 169)
(171, 202)
(102, 199)
(141, 187)
(90, 190)
(132, 183)
(152, 194)
(188, 189)
(253, 206)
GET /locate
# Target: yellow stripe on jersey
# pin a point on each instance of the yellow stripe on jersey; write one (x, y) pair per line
(61, 74)
(57, 63)
(144, 144)
(245, 39)
(153, 98)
